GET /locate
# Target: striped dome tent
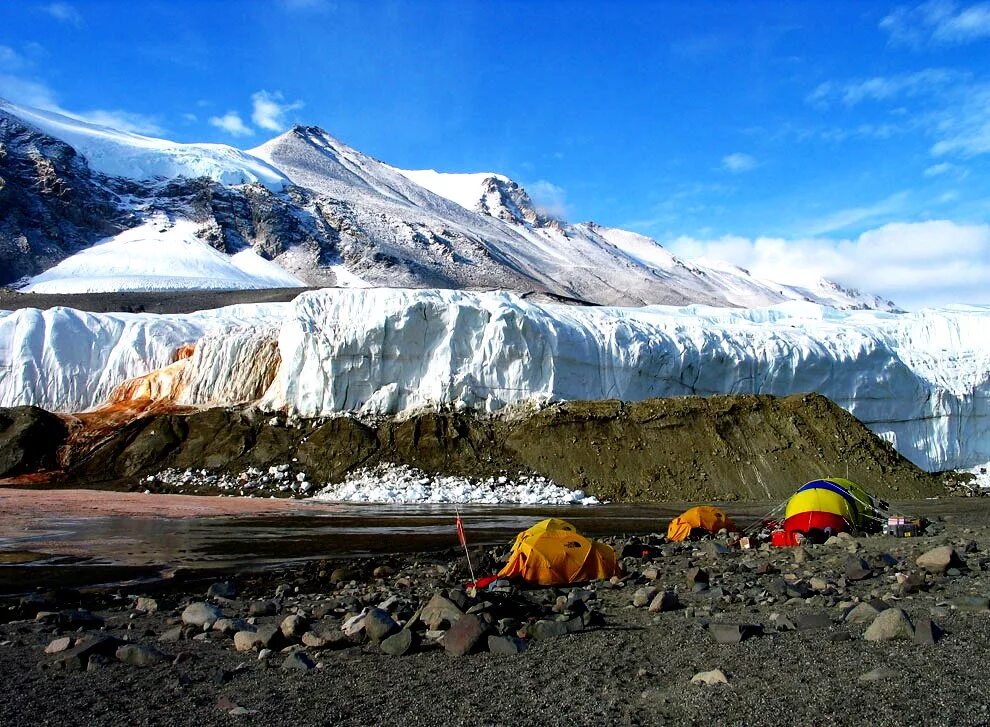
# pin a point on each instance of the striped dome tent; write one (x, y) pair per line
(826, 507)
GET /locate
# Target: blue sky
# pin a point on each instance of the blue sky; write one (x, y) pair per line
(850, 139)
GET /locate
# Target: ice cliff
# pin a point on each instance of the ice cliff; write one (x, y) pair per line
(920, 380)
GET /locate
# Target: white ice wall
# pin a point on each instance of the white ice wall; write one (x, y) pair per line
(920, 379)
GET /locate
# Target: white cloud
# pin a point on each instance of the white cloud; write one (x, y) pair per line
(64, 12)
(738, 162)
(938, 22)
(964, 127)
(549, 199)
(269, 110)
(884, 88)
(936, 170)
(853, 216)
(913, 263)
(232, 123)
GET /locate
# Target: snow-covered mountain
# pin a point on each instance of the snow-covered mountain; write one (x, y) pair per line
(920, 380)
(324, 213)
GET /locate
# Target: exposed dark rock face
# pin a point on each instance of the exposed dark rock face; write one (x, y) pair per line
(690, 448)
(51, 203)
(29, 440)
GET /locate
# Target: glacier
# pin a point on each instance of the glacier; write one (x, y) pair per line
(920, 380)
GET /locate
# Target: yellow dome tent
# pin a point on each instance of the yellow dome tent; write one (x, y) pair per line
(553, 553)
(704, 517)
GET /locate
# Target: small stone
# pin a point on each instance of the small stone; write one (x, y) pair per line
(176, 633)
(298, 661)
(731, 633)
(926, 632)
(857, 569)
(643, 596)
(59, 645)
(506, 645)
(262, 608)
(695, 576)
(379, 625)
(140, 655)
(148, 605)
(938, 560)
(665, 602)
(888, 625)
(709, 678)
(229, 626)
(383, 571)
(818, 584)
(222, 590)
(201, 614)
(398, 644)
(463, 636)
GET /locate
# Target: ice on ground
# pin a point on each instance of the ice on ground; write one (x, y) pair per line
(159, 254)
(403, 484)
(124, 154)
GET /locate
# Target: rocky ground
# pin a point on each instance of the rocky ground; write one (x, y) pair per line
(869, 630)
(182, 301)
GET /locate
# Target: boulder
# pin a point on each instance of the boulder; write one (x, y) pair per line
(398, 644)
(938, 560)
(695, 576)
(262, 608)
(862, 613)
(379, 625)
(926, 632)
(724, 633)
(463, 636)
(59, 645)
(294, 626)
(229, 626)
(148, 605)
(977, 604)
(201, 614)
(889, 625)
(440, 612)
(29, 440)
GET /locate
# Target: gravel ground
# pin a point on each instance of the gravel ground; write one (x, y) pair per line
(634, 668)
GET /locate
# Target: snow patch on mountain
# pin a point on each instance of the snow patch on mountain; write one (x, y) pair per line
(467, 190)
(133, 156)
(159, 254)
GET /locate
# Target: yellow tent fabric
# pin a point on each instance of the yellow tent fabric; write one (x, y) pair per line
(705, 517)
(553, 553)
(835, 495)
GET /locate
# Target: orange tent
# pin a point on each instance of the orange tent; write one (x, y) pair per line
(553, 553)
(704, 517)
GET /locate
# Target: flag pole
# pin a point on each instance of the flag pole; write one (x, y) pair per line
(463, 539)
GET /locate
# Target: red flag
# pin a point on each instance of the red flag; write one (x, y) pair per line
(460, 531)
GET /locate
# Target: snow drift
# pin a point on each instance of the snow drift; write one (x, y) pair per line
(921, 380)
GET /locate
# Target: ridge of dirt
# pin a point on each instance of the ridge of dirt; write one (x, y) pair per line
(689, 448)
